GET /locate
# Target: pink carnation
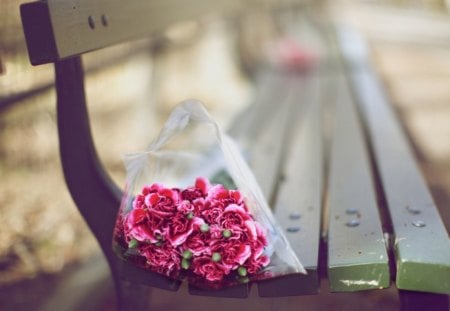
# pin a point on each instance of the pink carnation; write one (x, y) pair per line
(163, 259)
(205, 267)
(206, 230)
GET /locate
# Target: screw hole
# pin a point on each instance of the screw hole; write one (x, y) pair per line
(293, 229)
(91, 22)
(104, 20)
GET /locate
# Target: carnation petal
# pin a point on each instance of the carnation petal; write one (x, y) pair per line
(151, 199)
(142, 234)
(236, 196)
(244, 253)
(234, 208)
(180, 238)
(136, 216)
(217, 192)
(251, 229)
(170, 194)
(203, 184)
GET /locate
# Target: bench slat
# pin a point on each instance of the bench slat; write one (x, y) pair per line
(422, 244)
(266, 128)
(259, 132)
(357, 256)
(299, 198)
(57, 29)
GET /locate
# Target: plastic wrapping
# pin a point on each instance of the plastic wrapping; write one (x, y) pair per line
(192, 208)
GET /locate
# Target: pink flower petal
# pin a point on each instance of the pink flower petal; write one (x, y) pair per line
(203, 184)
(244, 253)
(151, 199)
(170, 194)
(234, 208)
(217, 192)
(251, 229)
(136, 216)
(142, 233)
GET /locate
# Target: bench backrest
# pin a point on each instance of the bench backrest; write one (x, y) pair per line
(57, 30)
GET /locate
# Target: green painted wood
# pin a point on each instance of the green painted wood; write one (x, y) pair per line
(299, 197)
(74, 27)
(422, 244)
(357, 256)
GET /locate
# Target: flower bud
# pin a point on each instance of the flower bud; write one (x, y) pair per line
(190, 215)
(242, 271)
(133, 243)
(187, 254)
(185, 264)
(204, 228)
(226, 233)
(216, 257)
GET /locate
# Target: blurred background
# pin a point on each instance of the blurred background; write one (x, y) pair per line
(45, 246)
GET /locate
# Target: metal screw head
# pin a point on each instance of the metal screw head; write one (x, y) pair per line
(419, 223)
(353, 223)
(104, 20)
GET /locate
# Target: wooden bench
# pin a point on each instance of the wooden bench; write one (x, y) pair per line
(325, 145)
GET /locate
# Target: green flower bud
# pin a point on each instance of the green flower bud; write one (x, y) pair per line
(204, 228)
(226, 233)
(242, 271)
(190, 215)
(133, 243)
(185, 264)
(216, 257)
(187, 254)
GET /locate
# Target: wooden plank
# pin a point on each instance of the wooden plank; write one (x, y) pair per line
(262, 130)
(422, 244)
(57, 29)
(357, 256)
(299, 198)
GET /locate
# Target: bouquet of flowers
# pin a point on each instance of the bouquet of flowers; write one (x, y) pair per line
(213, 235)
